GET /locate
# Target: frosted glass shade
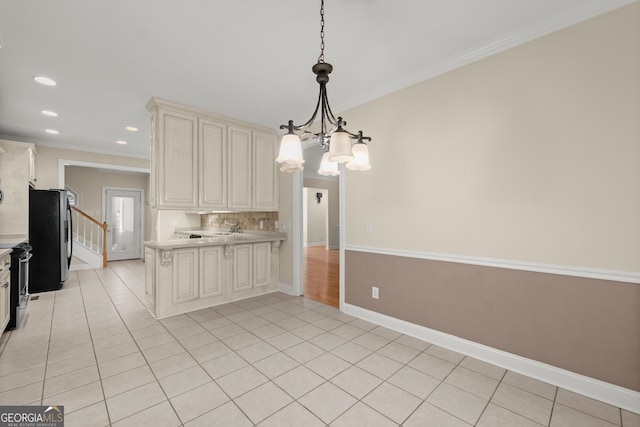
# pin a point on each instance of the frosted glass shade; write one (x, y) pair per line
(291, 167)
(327, 167)
(290, 150)
(340, 147)
(360, 161)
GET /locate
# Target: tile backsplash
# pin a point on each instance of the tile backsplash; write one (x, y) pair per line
(246, 220)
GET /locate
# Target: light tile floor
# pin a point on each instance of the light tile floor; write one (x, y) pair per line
(273, 360)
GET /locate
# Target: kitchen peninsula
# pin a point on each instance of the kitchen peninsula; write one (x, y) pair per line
(188, 274)
(210, 169)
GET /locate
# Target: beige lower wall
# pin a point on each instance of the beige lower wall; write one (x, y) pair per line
(587, 326)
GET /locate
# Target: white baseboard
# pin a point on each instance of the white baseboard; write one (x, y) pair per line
(311, 245)
(77, 267)
(287, 289)
(596, 389)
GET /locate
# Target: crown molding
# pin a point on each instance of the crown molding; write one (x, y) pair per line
(587, 10)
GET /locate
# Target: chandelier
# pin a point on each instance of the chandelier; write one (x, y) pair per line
(332, 136)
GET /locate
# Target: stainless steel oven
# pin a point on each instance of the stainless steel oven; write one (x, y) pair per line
(19, 284)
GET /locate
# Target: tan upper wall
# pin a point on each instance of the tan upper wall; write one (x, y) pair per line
(88, 182)
(47, 163)
(532, 154)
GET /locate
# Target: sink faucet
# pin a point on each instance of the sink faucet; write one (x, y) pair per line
(235, 228)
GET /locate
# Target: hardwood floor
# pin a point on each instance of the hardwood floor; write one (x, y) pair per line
(322, 275)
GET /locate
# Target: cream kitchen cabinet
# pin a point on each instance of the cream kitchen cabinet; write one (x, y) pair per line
(251, 266)
(212, 165)
(184, 275)
(5, 289)
(150, 278)
(174, 157)
(212, 271)
(242, 267)
(253, 176)
(32, 166)
(265, 172)
(185, 279)
(197, 273)
(186, 269)
(16, 174)
(240, 185)
(262, 264)
(207, 162)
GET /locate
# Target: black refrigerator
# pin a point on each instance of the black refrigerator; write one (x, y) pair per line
(50, 237)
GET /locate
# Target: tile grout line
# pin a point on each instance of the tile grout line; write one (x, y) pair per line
(553, 406)
(93, 347)
(115, 306)
(492, 394)
(176, 340)
(112, 291)
(46, 360)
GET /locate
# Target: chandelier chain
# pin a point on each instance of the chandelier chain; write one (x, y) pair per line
(321, 57)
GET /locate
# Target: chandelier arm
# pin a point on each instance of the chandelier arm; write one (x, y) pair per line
(357, 135)
(330, 116)
(305, 126)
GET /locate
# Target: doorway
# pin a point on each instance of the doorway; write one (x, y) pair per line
(321, 272)
(123, 209)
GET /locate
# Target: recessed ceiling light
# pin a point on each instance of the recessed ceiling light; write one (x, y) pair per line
(45, 81)
(52, 131)
(121, 142)
(132, 128)
(49, 113)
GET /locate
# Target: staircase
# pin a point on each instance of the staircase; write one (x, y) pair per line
(89, 241)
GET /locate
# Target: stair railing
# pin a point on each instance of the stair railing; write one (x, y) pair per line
(91, 233)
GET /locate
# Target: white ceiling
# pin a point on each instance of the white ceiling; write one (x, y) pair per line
(247, 59)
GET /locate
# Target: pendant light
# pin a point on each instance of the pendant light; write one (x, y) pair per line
(332, 135)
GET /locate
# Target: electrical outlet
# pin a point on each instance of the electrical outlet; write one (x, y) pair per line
(369, 228)
(374, 292)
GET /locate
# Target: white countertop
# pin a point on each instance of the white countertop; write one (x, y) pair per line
(8, 241)
(210, 239)
(3, 252)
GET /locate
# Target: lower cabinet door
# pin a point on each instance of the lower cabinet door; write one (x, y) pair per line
(5, 304)
(185, 275)
(211, 271)
(242, 267)
(261, 264)
(150, 278)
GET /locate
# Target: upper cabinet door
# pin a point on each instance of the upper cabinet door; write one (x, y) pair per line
(239, 172)
(212, 146)
(265, 172)
(177, 168)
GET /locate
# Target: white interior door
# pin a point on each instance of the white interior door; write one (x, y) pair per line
(123, 216)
